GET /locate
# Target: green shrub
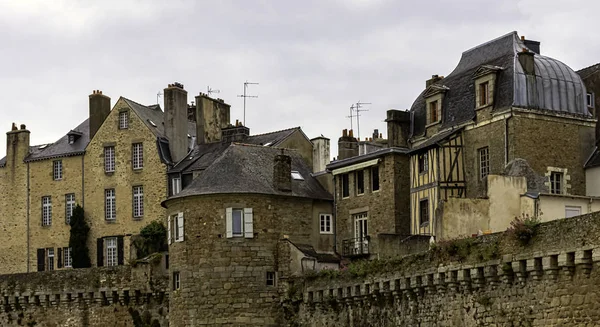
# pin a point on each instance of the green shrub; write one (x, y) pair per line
(153, 238)
(523, 229)
(78, 239)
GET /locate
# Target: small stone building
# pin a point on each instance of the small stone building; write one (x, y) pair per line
(235, 233)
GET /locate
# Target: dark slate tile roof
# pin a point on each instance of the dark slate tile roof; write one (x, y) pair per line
(587, 71)
(62, 148)
(3, 162)
(435, 139)
(203, 155)
(309, 250)
(152, 116)
(554, 87)
(244, 168)
(594, 160)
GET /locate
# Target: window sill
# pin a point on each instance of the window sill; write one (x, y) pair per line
(326, 233)
(484, 106)
(433, 124)
(57, 179)
(109, 173)
(138, 170)
(375, 191)
(110, 221)
(345, 197)
(360, 194)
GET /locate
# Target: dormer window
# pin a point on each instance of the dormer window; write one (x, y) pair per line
(485, 78)
(73, 136)
(434, 96)
(71, 139)
(433, 112)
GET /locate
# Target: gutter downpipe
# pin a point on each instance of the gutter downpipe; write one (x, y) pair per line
(510, 114)
(28, 208)
(334, 214)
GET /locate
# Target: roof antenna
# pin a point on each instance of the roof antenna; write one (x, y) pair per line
(358, 111)
(246, 83)
(352, 115)
(158, 95)
(209, 91)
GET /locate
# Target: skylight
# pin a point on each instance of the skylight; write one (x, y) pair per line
(151, 123)
(297, 176)
(269, 143)
(43, 146)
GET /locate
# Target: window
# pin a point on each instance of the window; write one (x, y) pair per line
(433, 112)
(176, 185)
(423, 163)
(69, 207)
(138, 201)
(484, 162)
(138, 156)
(109, 159)
(326, 224)
(375, 178)
(67, 258)
(57, 170)
(50, 258)
(46, 211)
(556, 182)
(239, 222)
(424, 213)
(175, 233)
(572, 211)
(110, 204)
(176, 280)
(270, 278)
(111, 251)
(590, 100)
(360, 181)
(71, 139)
(484, 94)
(297, 176)
(123, 120)
(345, 186)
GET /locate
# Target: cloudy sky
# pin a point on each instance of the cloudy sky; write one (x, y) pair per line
(312, 58)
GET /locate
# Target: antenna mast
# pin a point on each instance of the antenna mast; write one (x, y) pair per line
(358, 111)
(352, 115)
(209, 91)
(246, 83)
(158, 95)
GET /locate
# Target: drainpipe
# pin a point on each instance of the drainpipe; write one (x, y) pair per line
(82, 182)
(334, 214)
(506, 137)
(28, 205)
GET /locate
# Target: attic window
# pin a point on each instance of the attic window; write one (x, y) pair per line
(590, 100)
(189, 136)
(151, 123)
(71, 139)
(297, 176)
(268, 143)
(43, 146)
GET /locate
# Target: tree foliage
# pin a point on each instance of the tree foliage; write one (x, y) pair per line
(78, 239)
(153, 238)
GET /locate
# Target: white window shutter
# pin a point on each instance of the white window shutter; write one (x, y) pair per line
(229, 222)
(180, 226)
(169, 228)
(248, 224)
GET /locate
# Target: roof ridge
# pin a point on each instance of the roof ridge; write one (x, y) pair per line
(263, 147)
(139, 104)
(279, 131)
(590, 66)
(490, 41)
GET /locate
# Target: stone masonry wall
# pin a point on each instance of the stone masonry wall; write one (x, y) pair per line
(117, 296)
(553, 281)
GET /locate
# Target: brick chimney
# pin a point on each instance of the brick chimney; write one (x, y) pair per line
(282, 172)
(398, 126)
(17, 147)
(212, 115)
(433, 79)
(347, 145)
(99, 110)
(176, 120)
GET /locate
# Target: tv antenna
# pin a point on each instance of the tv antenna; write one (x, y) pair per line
(209, 91)
(158, 95)
(358, 111)
(246, 83)
(352, 115)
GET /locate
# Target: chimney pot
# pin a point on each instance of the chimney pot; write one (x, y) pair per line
(350, 133)
(344, 133)
(522, 37)
(14, 127)
(380, 135)
(22, 126)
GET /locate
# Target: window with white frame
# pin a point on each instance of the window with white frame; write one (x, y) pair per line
(175, 228)
(590, 100)
(138, 155)
(69, 207)
(46, 211)
(484, 162)
(109, 159)
(572, 211)
(176, 280)
(138, 201)
(124, 120)
(239, 222)
(556, 182)
(57, 170)
(110, 204)
(50, 259)
(67, 258)
(176, 185)
(270, 278)
(326, 222)
(111, 251)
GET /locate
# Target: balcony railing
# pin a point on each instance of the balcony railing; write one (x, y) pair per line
(355, 247)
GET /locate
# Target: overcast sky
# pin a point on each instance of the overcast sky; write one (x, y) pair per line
(312, 58)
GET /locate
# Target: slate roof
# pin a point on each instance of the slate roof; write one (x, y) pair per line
(309, 250)
(202, 155)
(62, 148)
(594, 160)
(587, 71)
(435, 139)
(244, 168)
(149, 114)
(555, 87)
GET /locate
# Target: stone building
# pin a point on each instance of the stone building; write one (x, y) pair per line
(252, 218)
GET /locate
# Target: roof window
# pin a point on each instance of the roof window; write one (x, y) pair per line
(151, 123)
(297, 176)
(268, 143)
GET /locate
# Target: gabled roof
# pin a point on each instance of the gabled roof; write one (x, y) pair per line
(244, 168)
(62, 148)
(594, 159)
(152, 116)
(587, 71)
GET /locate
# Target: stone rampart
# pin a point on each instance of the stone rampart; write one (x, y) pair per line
(115, 296)
(552, 281)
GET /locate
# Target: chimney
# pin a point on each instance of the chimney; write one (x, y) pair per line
(237, 133)
(99, 110)
(375, 134)
(531, 44)
(347, 145)
(17, 147)
(321, 155)
(398, 125)
(176, 120)
(434, 78)
(282, 172)
(212, 115)
(526, 59)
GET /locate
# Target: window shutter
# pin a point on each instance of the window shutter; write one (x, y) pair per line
(229, 222)
(180, 227)
(100, 252)
(41, 259)
(120, 251)
(59, 263)
(169, 228)
(248, 224)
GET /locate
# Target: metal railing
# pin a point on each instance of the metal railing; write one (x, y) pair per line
(355, 246)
